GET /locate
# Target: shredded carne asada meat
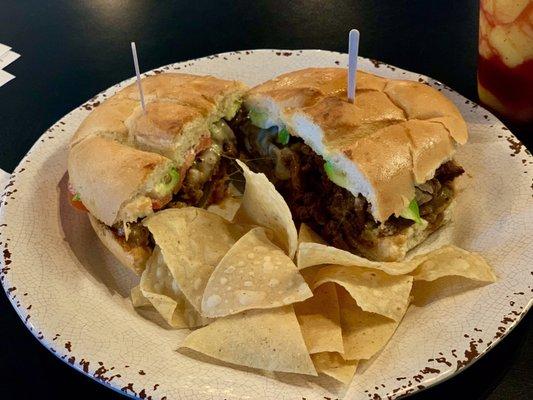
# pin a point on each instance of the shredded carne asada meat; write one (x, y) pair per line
(138, 235)
(332, 211)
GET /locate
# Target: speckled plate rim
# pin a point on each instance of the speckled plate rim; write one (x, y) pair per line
(58, 350)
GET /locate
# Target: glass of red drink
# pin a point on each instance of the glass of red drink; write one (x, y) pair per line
(505, 62)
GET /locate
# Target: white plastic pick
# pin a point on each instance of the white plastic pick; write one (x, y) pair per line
(136, 64)
(353, 50)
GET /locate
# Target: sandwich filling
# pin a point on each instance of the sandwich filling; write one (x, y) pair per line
(201, 181)
(315, 196)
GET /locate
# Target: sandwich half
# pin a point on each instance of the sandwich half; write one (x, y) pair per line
(125, 163)
(375, 177)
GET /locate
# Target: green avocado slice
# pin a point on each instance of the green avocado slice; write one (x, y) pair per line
(337, 177)
(412, 212)
(283, 136)
(258, 118)
(168, 183)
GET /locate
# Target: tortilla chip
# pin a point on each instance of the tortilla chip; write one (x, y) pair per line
(445, 261)
(310, 254)
(427, 292)
(265, 339)
(193, 241)
(138, 299)
(319, 320)
(373, 290)
(452, 261)
(363, 333)
(310, 273)
(160, 289)
(262, 205)
(333, 365)
(253, 274)
(307, 235)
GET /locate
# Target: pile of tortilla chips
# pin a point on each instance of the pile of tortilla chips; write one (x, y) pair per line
(262, 295)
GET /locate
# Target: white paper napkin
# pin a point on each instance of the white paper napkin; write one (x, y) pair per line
(5, 77)
(4, 49)
(8, 58)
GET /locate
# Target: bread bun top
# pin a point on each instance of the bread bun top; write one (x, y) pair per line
(119, 152)
(179, 111)
(393, 137)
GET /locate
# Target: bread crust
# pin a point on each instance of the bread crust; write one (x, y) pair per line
(106, 175)
(394, 136)
(194, 98)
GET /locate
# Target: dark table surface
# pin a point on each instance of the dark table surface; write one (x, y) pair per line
(72, 50)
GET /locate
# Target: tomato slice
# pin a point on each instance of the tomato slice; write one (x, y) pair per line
(158, 204)
(78, 205)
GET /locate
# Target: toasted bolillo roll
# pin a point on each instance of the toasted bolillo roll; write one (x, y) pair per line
(374, 177)
(125, 163)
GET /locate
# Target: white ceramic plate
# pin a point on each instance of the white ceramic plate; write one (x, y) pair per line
(73, 296)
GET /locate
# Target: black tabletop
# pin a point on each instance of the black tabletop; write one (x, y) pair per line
(72, 50)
